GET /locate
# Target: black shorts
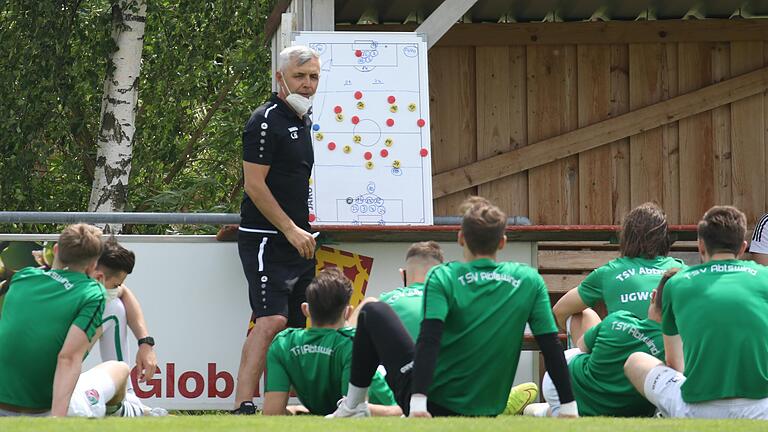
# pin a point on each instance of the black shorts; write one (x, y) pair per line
(277, 276)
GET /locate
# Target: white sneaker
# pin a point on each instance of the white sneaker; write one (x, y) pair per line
(342, 411)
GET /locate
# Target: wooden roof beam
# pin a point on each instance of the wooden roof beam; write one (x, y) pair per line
(601, 133)
(443, 18)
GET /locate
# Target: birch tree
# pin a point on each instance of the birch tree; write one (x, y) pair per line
(118, 109)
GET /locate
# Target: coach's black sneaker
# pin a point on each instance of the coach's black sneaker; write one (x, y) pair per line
(246, 408)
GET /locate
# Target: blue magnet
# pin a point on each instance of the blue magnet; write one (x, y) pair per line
(315, 127)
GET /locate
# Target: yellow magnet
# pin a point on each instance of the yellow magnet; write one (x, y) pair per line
(357, 139)
(393, 108)
(396, 164)
(360, 105)
(319, 136)
(369, 165)
(411, 107)
(347, 149)
(388, 142)
(339, 117)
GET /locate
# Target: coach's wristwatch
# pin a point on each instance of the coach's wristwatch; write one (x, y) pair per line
(149, 340)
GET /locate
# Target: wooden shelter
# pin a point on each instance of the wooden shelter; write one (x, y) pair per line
(573, 111)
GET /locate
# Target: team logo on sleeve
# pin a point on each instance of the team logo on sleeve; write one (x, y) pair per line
(93, 396)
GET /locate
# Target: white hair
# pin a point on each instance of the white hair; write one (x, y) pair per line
(297, 54)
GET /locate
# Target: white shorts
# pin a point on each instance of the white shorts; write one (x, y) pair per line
(662, 388)
(548, 389)
(94, 388)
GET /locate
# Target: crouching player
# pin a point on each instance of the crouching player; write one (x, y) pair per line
(714, 319)
(458, 366)
(121, 311)
(597, 365)
(40, 361)
(316, 361)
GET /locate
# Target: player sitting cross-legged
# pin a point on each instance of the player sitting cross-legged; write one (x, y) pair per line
(597, 365)
(715, 320)
(458, 366)
(316, 361)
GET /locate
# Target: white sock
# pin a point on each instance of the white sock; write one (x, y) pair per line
(537, 409)
(356, 395)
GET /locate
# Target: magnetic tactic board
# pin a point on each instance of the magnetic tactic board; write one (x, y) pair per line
(370, 129)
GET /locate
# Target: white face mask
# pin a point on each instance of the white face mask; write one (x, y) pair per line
(299, 103)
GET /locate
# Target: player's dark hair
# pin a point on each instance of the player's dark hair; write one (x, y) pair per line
(723, 229)
(483, 225)
(644, 232)
(660, 288)
(79, 244)
(428, 250)
(116, 258)
(327, 295)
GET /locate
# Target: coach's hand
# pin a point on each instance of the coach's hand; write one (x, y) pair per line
(302, 241)
(146, 362)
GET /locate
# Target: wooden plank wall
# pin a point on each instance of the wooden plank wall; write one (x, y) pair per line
(486, 100)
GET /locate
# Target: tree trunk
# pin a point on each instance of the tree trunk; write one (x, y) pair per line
(118, 109)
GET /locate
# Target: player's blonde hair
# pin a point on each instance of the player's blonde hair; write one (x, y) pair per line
(79, 244)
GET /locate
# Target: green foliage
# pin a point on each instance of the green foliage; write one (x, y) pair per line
(199, 57)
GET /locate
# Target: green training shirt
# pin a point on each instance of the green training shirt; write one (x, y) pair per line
(485, 306)
(39, 309)
(407, 304)
(720, 311)
(599, 384)
(316, 363)
(626, 283)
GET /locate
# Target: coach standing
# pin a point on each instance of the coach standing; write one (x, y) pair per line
(275, 246)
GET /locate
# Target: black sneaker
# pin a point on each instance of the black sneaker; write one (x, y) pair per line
(246, 408)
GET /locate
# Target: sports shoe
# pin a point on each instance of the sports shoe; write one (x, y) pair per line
(156, 412)
(342, 410)
(519, 397)
(246, 408)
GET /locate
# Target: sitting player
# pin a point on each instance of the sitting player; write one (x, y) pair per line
(625, 283)
(40, 364)
(597, 365)
(316, 361)
(407, 301)
(714, 319)
(122, 310)
(468, 307)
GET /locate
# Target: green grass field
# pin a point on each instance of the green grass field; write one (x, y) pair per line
(315, 424)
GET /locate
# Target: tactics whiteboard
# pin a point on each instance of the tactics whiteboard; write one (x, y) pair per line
(370, 129)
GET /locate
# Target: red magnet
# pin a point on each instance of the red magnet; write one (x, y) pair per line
(384, 153)
(355, 119)
(358, 95)
(390, 122)
(312, 217)
(337, 109)
(420, 122)
(331, 145)
(391, 99)
(358, 53)
(367, 155)
(423, 152)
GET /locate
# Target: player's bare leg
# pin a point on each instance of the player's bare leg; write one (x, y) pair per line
(637, 367)
(581, 322)
(254, 354)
